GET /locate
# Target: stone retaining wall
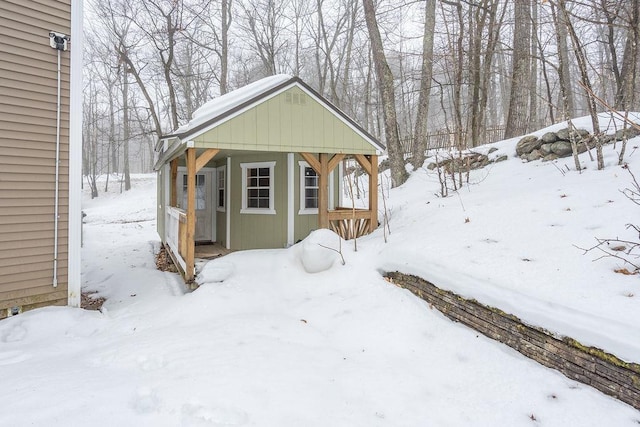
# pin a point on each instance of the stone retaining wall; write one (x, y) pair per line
(588, 365)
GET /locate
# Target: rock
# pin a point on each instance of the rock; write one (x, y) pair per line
(432, 166)
(534, 155)
(492, 149)
(549, 138)
(563, 134)
(527, 144)
(583, 133)
(607, 139)
(550, 157)
(579, 134)
(561, 148)
(501, 159)
(545, 149)
(582, 148)
(628, 133)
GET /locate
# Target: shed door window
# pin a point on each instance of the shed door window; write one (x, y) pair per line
(258, 188)
(201, 203)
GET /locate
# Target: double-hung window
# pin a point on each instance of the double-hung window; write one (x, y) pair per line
(308, 189)
(221, 182)
(257, 188)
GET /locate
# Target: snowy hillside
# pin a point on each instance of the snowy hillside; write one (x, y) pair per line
(264, 343)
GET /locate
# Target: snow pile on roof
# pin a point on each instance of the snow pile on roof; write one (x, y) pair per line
(232, 99)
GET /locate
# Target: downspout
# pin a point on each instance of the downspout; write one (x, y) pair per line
(59, 43)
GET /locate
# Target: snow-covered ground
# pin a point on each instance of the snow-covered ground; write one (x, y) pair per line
(264, 343)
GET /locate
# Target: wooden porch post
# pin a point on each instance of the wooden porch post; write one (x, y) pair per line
(373, 193)
(173, 184)
(323, 191)
(191, 214)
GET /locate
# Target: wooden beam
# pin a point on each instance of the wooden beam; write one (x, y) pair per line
(364, 162)
(313, 162)
(335, 160)
(373, 193)
(205, 157)
(323, 191)
(173, 183)
(191, 215)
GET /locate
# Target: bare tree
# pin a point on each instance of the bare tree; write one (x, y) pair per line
(387, 94)
(420, 133)
(517, 119)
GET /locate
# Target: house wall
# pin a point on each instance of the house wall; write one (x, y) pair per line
(27, 153)
(292, 121)
(259, 231)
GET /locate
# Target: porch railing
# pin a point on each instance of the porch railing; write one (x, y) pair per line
(176, 234)
(350, 223)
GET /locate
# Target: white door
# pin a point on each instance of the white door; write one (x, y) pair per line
(205, 212)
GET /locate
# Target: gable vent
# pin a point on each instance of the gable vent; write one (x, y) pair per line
(295, 98)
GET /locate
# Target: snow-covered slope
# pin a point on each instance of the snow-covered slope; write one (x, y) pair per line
(265, 343)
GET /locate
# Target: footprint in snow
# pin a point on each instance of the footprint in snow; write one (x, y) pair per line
(14, 334)
(146, 401)
(195, 415)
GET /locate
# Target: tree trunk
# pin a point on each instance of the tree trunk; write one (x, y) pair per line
(627, 81)
(533, 81)
(386, 88)
(564, 72)
(420, 133)
(517, 120)
(224, 54)
(125, 128)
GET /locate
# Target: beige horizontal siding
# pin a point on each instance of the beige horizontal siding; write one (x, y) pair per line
(37, 296)
(28, 109)
(31, 247)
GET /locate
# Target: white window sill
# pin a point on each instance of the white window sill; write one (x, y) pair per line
(221, 209)
(308, 212)
(258, 211)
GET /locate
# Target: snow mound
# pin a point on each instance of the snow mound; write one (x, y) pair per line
(316, 253)
(216, 271)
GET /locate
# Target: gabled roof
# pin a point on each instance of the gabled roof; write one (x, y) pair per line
(229, 105)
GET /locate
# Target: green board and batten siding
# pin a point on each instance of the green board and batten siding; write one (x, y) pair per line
(284, 123)
(255, 231)
(259, 231)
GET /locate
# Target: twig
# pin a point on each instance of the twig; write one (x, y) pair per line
(336, 250)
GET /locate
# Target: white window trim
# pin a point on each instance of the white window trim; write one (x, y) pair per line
(222, 169)
(304, 211)
(263, 211)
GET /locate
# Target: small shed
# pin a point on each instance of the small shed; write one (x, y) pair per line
(261, 167)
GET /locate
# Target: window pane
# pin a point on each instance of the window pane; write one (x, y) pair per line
(264, 171)
(252, 182)
(264, 203)
(253, 192)
(252, 172)
(252, 203)
(264, 192)
(311, 203)
(264, 182)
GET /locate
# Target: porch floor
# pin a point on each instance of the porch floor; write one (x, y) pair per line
(210, 250)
